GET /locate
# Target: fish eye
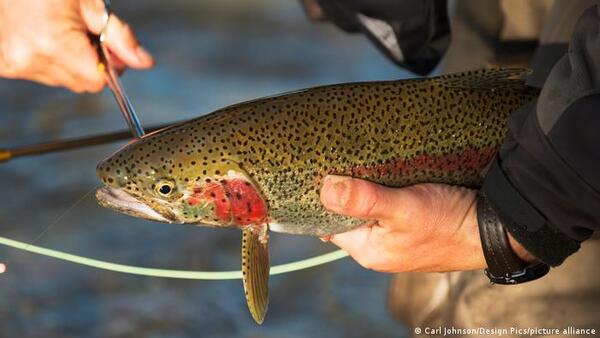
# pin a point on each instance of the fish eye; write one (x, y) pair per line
(164, 188)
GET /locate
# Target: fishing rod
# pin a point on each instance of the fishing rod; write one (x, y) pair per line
(7, 154)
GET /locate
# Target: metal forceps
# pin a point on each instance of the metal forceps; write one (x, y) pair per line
(113, 81)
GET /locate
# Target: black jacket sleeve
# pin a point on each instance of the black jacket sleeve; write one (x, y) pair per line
(545, 182)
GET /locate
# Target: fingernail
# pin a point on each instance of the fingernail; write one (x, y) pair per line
(336, 191)
(142, 54)
(325, 238)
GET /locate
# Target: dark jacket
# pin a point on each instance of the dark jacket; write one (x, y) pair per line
(545, 182)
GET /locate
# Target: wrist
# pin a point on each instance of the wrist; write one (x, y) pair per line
(519, 250)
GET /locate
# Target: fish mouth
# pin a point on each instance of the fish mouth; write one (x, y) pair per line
(121, 201)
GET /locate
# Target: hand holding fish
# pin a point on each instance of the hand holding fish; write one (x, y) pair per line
(47, 42)
(424, 227)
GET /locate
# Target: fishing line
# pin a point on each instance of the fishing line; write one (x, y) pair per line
(61, 216)
(166, 273)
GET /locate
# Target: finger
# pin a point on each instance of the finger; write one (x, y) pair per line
(359, 198)
(117, 63)
(57, 76)
(83, 65)
(120, 39)
(359, 244)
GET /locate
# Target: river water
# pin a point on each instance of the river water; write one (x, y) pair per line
(209, 54)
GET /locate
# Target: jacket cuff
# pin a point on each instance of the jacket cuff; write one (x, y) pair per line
(531, 229)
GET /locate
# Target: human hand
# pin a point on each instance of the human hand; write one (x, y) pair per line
(47, 42)
(424, 227)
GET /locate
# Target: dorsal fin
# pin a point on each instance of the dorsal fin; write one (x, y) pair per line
(485, 78)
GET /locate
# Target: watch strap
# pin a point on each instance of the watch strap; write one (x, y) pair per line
(504, 266)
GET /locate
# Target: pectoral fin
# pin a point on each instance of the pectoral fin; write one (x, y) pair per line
(255, 270)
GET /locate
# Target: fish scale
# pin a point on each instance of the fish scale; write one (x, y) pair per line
(276, 151)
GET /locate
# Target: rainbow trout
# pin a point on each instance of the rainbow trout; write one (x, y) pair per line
(258, 165)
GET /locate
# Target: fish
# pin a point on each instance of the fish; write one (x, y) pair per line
(258, 166)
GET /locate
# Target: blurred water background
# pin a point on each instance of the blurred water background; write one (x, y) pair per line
(209, 54)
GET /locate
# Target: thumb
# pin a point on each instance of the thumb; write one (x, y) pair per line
(359, 198)
(120, 39)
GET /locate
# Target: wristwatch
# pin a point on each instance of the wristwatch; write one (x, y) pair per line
(504, 266)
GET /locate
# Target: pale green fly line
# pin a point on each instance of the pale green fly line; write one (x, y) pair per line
(166, 273)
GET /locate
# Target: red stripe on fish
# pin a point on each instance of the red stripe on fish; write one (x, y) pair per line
(470, 159)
